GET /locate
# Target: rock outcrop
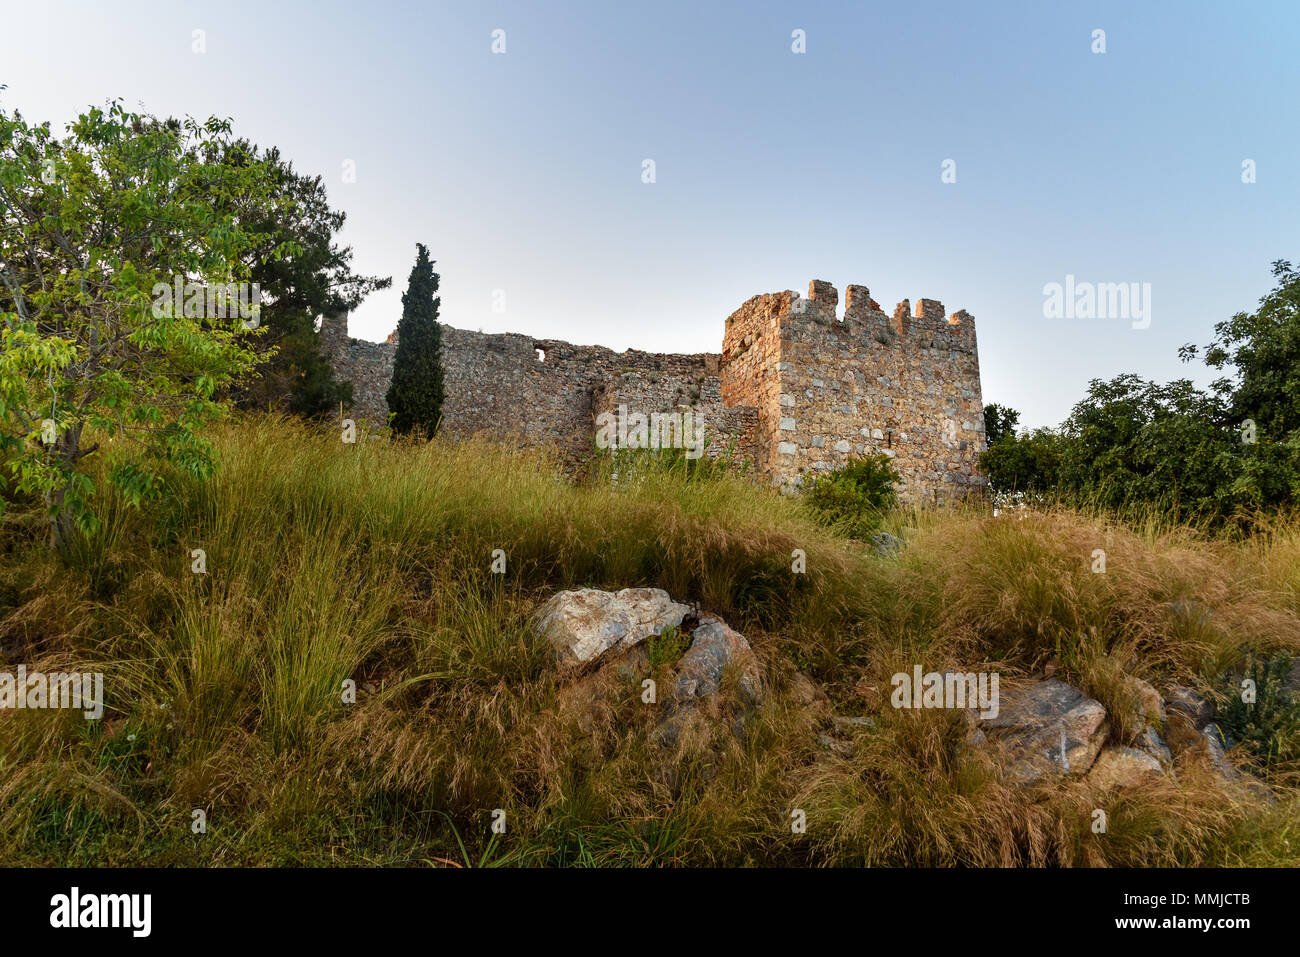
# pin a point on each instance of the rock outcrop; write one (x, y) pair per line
(1122, 767)
(598, 630)
(1049, 729)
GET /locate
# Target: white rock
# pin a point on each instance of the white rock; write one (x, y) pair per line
(586, 624)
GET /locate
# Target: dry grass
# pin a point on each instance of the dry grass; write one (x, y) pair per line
(371, 563)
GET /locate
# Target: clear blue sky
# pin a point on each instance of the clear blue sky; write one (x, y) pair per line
(522, 171)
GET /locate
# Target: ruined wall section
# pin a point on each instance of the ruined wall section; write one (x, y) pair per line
(540, 391)
(367, 365)
(728, 432)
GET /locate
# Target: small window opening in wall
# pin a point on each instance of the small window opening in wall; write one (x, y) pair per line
(889, 438)
(541, 353)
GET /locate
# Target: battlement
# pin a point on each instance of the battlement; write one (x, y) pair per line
(796, 388)
(831, 388)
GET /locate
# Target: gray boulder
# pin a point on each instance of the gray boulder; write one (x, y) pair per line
(1147, 707)
(1184, 700)
(597, 637)
(886, 545)
(714, 646)
(699, 674)
(1152, 744)
(1047, 728)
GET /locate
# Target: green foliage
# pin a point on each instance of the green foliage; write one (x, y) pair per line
(1263, 394)
(1026, 463)
(1270, 725)
(852, 499)
(303, 274)
(416, 392)
(1132, 442)
(1215, 456)
(1263, 348)
(999, 420)
(93, 225)
(667, 646)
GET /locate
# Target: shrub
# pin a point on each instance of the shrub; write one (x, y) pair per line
(852, 499)
(1269, 726)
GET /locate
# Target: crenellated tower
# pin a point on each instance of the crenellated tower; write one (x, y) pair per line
(829, 389)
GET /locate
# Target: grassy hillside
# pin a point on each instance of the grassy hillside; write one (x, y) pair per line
(371, 561)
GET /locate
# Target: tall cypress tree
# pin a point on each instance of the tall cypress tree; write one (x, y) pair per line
(415, 394)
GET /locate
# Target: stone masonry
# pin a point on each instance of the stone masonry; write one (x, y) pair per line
(544, 391)
(828, 390)
(795, 389)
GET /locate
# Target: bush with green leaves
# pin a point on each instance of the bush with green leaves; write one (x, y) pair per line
(1269, 725)
(852, 499)
(1027, 464)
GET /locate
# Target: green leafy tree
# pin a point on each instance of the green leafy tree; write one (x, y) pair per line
(416, 392)
(303, 274)
(92, 226)
(1216, 454)
(1026, 463)
(1262, 394)
(999, 420)
(1131, 441)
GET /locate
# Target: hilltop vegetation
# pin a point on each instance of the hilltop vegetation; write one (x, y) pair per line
(327, 561)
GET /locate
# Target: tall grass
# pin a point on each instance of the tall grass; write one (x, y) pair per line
(332, 566)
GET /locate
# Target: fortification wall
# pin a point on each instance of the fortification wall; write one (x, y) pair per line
(729, 432)
(796, 389)
(751, 348)
(542, 391)
(906, 386)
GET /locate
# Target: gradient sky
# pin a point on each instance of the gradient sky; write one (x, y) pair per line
(522, 171)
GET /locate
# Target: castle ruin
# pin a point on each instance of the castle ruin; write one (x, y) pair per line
(795, 390)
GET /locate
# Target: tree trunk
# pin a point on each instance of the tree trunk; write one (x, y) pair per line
(67, 449)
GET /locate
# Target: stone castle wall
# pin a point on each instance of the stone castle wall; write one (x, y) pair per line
(795, 390)
(832, 389)
(543, 391)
